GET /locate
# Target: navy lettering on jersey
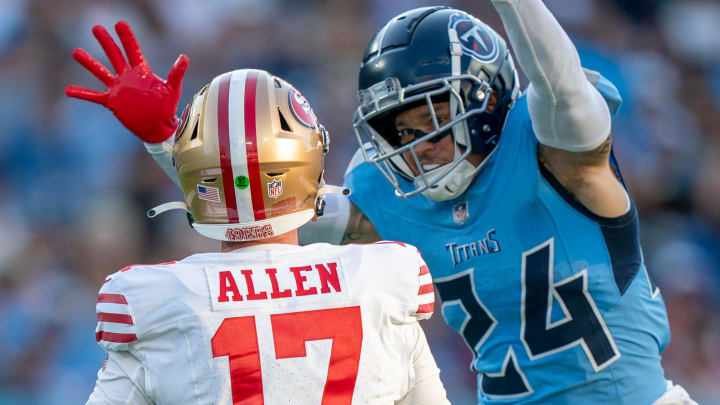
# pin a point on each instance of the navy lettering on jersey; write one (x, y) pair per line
(459, 290)
(510, 382)
(479, 323)
(582, 324)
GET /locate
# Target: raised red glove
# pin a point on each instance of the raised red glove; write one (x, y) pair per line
(143, 102)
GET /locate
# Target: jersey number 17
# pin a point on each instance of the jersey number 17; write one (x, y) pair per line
(237, 338)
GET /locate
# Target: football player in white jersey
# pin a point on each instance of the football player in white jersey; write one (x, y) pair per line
(265, 321)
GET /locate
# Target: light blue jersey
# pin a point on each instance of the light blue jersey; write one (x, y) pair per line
(554, 302)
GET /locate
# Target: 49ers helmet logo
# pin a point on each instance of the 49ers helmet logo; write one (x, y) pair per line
(475, 37)
(301, 110)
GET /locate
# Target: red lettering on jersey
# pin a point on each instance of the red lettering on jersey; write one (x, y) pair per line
(252, 295)
(328, 277)
(276, 293)
(300, 280)
(227, 284)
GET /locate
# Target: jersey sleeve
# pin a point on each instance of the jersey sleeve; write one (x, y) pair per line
(426, 292)
(120, 381)
(411, 282)
(116, 328)
(426, 388)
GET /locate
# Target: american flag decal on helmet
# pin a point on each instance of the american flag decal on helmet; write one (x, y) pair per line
(208, 193)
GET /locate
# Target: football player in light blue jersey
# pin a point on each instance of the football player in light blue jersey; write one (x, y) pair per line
(515, 202)
(513, 198)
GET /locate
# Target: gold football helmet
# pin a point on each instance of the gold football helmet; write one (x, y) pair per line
(249, 154)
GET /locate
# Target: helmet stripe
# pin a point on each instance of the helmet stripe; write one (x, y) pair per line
(238, 146)
(224, 146)
(256, 190)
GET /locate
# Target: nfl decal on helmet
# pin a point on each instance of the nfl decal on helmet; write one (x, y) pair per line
(246, 139)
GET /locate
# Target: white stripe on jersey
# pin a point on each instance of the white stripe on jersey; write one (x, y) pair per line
(114, 327)
(428, 298)
(111, 308)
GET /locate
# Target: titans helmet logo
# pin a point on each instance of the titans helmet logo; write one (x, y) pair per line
(476, 38)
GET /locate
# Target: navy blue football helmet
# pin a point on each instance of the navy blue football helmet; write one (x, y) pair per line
(424, 56)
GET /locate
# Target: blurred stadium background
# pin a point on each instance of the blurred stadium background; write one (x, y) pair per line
(75, 184)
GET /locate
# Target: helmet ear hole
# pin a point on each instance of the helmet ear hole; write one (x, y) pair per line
(195, 132)
(283, 122)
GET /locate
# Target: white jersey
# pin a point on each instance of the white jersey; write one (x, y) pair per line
(270, 324)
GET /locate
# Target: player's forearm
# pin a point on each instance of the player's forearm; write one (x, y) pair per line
(567, 112)
(359, 228)
(162, 153)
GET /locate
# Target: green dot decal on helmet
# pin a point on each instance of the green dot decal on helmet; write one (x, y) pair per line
(242, 182)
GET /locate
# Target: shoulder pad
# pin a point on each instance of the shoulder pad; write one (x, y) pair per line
(116, 317)
(359, 158)
(115, 324)
(421, 296)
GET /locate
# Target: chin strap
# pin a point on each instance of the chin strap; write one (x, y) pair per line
(328, 189)
(325, 190)
(174, 205)
(179, 205)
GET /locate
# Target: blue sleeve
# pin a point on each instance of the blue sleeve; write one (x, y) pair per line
(359, 175)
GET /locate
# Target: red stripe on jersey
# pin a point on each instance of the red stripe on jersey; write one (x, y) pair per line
(256, 191)
(126, 268)
(112, 298)
(424, 270)
(425, 308)
(425, 289)
(114, 318)
(224, 144)
(115, 337)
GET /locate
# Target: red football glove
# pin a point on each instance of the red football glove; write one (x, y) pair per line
(143, 102)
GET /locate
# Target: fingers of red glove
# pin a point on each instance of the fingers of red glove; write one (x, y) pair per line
(132, 48)
(177, 72)
(111, 49)
(92, 65)
(87, 94)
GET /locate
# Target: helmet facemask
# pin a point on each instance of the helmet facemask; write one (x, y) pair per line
(374, 123)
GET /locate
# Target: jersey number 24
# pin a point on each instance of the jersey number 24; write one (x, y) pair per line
(582, 324)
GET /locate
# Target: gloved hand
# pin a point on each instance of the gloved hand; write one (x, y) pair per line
(142, 101)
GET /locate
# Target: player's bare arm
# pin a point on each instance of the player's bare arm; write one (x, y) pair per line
(359, 228)
(588, 176)
(569, 116)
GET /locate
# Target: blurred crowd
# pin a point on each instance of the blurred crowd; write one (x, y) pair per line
(75, 184)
